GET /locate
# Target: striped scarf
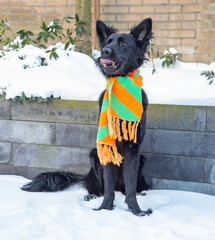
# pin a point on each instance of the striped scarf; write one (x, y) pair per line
(120, 114)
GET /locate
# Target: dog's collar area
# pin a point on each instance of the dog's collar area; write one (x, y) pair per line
(134, 73)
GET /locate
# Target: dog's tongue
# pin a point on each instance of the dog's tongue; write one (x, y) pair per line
(106, 61)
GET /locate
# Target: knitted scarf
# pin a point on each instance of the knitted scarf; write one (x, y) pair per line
(120, 114)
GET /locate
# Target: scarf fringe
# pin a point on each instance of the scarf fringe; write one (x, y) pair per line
(127, 130)
(108, 153)
(118, 129)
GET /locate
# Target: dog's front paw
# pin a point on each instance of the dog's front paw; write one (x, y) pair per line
(90, 197)
(148, 212)
(141, 213)
(105, 206)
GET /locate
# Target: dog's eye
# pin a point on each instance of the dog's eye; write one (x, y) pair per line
(124, 44)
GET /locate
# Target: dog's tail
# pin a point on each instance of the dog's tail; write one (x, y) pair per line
(52, 181)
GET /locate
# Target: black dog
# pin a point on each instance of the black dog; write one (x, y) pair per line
(120, 54)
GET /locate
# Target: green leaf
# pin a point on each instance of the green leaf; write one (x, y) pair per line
(20, 32)
(40, 34)
(45, 37)
(72, 41)
(82, 22)
(30, 33)
(66, 45)
(22, 36)
(42, 46)
(58, 27)
(44, 25)
(69, 18)
(76, 17)
(51, 36)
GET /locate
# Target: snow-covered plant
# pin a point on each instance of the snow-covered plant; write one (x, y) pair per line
(2, 54)
(53, 53)
(55, 31)
(5, 30)
(170, 57)
(210, 75)
(23, 98)
(2, 93)
(25, 36)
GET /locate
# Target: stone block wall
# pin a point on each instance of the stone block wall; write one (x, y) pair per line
(187, 25)
(179, 142)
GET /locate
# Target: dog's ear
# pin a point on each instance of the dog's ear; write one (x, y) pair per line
(143, 32)
(103, 32)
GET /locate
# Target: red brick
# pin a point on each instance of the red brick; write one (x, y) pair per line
(205, 50)
(115, 9)
(182, 17)
(182, 34)
(155, 1)
(129, 17)
(195, 8)
(9, 3)
(128, 2)
(139, 9)
(195, 42)
(32, 2)
(168, 9)
(189, 25)
(194, 58)
(21, 10)
(56, 2)
(206, 34)
(181, 1)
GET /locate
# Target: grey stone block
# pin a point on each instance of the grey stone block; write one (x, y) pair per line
(183, 143)
(146, 145)
(83, 112)
(76, 135)
(176, 117)
(27, 132)
(175, 167)
(211, 119)
(5, 149)
(5, 110)
(210, 170)
(28, 172)
(65, 158)
(205, 188)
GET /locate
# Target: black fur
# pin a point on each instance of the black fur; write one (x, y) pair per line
(120, 54)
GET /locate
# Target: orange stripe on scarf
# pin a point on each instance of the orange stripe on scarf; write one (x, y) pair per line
(120, 115)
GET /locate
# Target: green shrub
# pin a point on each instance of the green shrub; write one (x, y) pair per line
(210, 75)
(169, 58)
(23, 97)
(55, 31)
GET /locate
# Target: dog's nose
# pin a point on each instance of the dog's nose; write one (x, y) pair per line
(106, 51)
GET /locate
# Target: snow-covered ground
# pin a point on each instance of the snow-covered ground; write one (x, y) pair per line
(74, 76)
(65, 215)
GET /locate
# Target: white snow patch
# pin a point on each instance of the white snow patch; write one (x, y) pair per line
(74, 76)
(65, 215)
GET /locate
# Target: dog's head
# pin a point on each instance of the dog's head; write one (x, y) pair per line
(122, 53)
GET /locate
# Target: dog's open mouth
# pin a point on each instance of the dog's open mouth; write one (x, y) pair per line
(108, 63)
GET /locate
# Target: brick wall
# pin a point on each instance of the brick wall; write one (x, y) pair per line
(187, 25)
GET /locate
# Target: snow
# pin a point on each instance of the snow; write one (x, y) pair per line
(65, 215)
(74, 76)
